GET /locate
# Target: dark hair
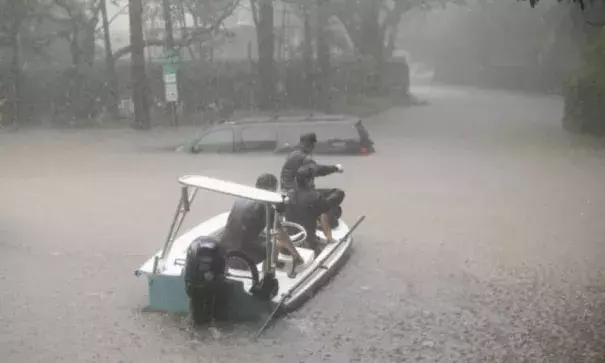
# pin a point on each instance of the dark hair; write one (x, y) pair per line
(266, 181)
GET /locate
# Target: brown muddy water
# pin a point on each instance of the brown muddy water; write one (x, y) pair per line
(484, 242)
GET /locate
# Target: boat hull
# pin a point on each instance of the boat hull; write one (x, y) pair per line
(167, 291)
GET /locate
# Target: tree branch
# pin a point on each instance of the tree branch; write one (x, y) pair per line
(254, 10)
(346, 14)
(185, 40)
(113, 18)
(393, 17)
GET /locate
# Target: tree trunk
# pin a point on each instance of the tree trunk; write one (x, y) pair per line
(371, 42)
(392, 39)
(15, 77)
(266, 50)
(170, 107)
(168, 25)
(112, 81)
(308, 59)
(140, 96)
(184, 29)
(323, 58)
(14, 92)
(282, 33)
(82, 49)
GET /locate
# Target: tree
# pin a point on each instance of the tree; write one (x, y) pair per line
(112, 83)
(12, 18)
(372, 24)
(584, 90)
(77, 22)
(323, 57)
(140, 89)
(205, 14)
(18, 20)
(585, 6)
(581, 3)
(262, 14)
(225, 10)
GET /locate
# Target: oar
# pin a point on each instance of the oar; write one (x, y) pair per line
(295, 286)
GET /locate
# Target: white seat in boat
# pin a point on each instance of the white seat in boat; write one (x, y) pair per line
(308, 255)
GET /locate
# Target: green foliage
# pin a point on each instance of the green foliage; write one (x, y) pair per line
(595, 56)
(47, 93)
(584, 93)
(581, 3)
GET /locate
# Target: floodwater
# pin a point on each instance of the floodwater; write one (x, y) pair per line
(484, 242)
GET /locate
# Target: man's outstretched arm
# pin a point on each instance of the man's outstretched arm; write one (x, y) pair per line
(323, 170)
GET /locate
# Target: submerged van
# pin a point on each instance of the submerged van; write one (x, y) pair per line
(335, 135)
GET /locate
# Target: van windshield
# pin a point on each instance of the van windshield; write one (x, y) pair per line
(259, 138)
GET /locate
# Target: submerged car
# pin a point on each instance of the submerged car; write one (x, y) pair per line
(335, 135)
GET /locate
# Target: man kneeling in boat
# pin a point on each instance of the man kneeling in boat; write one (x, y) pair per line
(246, 222)
(301, 157)
(308, 205)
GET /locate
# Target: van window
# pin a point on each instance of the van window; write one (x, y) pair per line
(215, 141)
(259, 138)
(289, 134)
(337, 132)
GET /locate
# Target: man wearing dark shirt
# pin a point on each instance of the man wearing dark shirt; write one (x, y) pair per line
(301, 157)
(246, 222)
(308, 206)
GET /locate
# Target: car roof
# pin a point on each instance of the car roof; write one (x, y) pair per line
(314, 119)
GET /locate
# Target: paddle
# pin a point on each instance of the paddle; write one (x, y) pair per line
(295, 286)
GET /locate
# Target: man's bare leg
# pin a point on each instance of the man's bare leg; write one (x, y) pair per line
(283, 241)
(327, 228)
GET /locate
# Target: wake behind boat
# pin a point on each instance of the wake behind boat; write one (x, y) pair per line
(180, 281)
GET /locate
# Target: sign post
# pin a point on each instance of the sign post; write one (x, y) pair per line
(171, 92)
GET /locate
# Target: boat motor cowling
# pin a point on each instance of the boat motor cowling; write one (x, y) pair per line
(204, 275)
(205, 262)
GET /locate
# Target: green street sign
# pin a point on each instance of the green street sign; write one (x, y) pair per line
(172, 57)
(169, 69)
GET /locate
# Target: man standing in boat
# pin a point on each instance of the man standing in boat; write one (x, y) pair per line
(308, 205)
(301, 157)
(246, 222)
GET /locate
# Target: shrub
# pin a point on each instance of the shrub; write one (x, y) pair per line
(584, 93)
(52, 95)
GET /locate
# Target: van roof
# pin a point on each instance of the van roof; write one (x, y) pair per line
(316, 119)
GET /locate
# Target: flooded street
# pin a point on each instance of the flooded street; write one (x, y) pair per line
(484, 242)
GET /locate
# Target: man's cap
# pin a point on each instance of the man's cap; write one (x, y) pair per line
(308, 138)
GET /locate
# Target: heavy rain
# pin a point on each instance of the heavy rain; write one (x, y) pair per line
(484, 191)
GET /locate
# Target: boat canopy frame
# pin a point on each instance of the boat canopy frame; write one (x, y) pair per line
(197, 182)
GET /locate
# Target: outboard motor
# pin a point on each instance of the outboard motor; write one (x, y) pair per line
(204, 274)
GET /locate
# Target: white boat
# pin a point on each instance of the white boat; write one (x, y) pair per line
(165, 270)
